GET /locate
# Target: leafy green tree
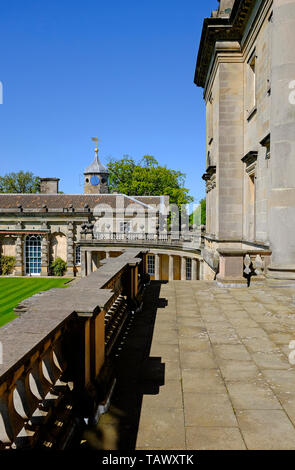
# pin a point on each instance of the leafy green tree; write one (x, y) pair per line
(21, 182)
(147, 178)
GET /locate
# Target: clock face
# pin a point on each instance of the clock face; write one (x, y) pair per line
(94, 180)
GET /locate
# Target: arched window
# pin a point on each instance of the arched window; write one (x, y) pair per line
(33, 254)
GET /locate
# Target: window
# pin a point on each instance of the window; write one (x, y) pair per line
(208, 159)
(33, 254)
(251, 85)
(124, 227)
(267, 156)
(188, 269)
(250, 161)
(78, 255)
(151, 265)
(210, 120)
(266, 143)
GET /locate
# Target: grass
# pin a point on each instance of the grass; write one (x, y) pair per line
(14, 290)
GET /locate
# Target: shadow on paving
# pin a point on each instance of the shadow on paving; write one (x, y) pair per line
(137, 374)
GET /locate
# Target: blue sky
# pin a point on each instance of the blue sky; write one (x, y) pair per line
(119, 70)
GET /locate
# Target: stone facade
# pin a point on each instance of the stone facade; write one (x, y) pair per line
(62, 224)
(246, 65)
(85, 229)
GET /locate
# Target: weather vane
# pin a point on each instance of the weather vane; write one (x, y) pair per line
(96, 140)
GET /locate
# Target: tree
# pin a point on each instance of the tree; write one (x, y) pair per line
(147, 178)
(21, 182)
(58, 267)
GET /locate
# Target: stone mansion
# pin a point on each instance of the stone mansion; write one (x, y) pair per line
(246, 66)
(84, 229)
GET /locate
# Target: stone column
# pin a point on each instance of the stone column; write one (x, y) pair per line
(171, 268)
(201, 270)
(281, 211)
(19, 266)
(157, 267)
(194, 269)
(183, 268)
(45, 256)
(83, 263)
(70, 250)
(107, 254)
(89, 262)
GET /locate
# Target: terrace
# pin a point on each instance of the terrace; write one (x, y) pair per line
(113, 362)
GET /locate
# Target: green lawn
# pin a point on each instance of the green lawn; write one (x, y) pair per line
(13, 290)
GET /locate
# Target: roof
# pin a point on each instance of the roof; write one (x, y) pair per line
(40, 202)
(96, 167)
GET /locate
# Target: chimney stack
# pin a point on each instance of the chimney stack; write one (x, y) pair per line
(49, 185)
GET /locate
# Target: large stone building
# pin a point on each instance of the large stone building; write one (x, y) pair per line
(246, 65)
(84, 229)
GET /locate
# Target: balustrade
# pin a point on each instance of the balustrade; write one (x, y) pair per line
(190, 238)
(47, 373)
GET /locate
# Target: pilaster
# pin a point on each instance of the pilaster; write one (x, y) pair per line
(19, 266)
(281, 210)
(70, 250)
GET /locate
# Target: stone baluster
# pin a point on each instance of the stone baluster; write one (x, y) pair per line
(258, 265)
(10, 421)
(247, 263)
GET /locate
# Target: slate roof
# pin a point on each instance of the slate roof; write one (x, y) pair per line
(96, 167)
(78, 201)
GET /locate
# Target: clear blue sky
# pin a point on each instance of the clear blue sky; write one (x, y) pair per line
(119, 70)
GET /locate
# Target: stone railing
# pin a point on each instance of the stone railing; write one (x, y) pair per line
(184, 239)
(57, 350)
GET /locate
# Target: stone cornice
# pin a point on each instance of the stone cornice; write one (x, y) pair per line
(221, 30)
(211, 170)
(250, 158)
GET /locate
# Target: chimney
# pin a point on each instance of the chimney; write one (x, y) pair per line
(49, 185)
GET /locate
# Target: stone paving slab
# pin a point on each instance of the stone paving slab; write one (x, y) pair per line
(161, 430)
(214, 438)
(228, 381)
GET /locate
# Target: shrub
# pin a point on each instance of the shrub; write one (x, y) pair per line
(7, 264)
(58, 267)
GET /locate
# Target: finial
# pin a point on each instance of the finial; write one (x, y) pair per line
(96, 140)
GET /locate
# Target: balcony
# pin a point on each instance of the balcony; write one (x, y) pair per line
(185, 240)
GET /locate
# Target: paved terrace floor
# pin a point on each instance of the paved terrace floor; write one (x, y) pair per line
(221, 378)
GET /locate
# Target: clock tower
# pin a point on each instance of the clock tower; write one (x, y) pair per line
(96, 177)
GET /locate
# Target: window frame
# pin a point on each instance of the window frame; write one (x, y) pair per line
(151, 263)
